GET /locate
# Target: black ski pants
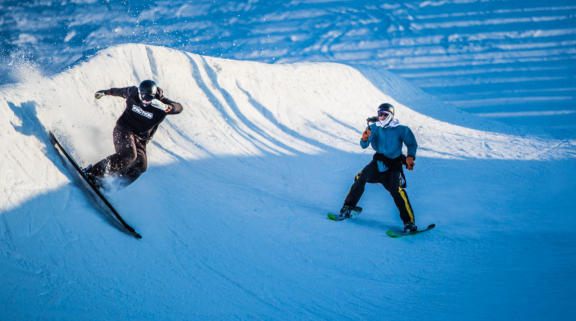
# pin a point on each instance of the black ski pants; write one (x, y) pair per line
(391, 182)
(129, 161)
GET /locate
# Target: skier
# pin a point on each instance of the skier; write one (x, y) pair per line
(146, 108)
(386, 136)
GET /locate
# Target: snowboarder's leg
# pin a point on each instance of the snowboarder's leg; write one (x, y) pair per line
(137, 168)
(125, 154)
(392, 184)
(360, 181)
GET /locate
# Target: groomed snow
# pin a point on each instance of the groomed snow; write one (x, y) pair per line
(233, 206)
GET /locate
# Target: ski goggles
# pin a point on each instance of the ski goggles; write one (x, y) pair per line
(384, 114)
(145, 97)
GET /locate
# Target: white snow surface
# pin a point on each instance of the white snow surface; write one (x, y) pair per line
(233, 206)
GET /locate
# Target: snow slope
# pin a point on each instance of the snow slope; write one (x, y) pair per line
(233, 206)
(512, 60)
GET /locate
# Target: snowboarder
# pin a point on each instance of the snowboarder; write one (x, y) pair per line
(146, 108)
(386, 136)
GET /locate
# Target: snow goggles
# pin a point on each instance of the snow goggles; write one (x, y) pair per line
(383, 113)
(145, 96)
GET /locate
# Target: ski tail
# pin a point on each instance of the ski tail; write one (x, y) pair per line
(96, 191)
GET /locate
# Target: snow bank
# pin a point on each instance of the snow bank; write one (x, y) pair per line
(244, 109)
(232, 208)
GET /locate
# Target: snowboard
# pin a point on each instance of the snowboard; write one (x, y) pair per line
(396, 234)
(337, 217)
(90, 187)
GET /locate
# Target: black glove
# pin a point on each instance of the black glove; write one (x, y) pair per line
(372, 119)
(99, 94)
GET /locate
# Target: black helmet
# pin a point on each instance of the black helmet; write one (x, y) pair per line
(386, 107)
(147, 90)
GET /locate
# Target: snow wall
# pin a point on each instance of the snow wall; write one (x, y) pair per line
(233, 206)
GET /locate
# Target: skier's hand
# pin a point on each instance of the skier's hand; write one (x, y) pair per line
(159, 105)
(410, 163)
(365, 135)
(99, 94)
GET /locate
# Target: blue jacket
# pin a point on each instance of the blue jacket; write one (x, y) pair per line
(389, 140)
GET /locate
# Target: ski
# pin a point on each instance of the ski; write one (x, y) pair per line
(93, 188)
(395, 234)
(337, 217)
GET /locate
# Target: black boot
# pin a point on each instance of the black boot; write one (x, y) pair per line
(410, 227)
(92, 179)
(348, 211)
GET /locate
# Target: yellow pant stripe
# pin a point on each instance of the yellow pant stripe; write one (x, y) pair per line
(408, 207)
(355, 179)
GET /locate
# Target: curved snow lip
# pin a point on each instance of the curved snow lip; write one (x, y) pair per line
(282, 108)
(487, 57)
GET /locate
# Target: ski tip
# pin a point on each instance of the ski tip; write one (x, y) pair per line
(393, 234)
(138, 236)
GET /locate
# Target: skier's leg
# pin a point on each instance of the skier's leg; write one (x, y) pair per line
(360, 181)
(124, 156)
(392, 184)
